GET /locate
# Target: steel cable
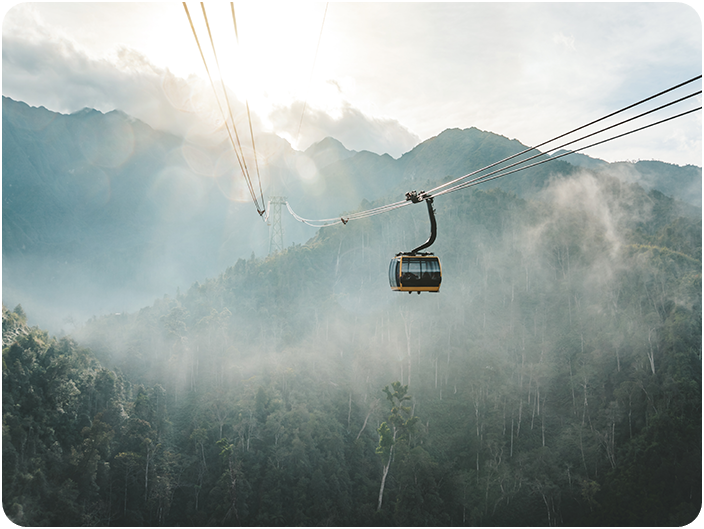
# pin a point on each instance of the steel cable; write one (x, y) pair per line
(502, 171)
(568, 133)
(249, 118)
(552, 158)
(482, 178)
(243, 162)
(455, 185)
(212, 84)
(315, 59)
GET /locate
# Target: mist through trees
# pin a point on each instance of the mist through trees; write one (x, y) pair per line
(555, 378)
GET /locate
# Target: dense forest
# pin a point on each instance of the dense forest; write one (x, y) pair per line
(554, 380)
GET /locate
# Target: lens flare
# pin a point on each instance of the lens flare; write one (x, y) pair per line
(109, 145)
(198, 161)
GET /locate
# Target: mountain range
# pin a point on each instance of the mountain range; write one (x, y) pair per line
(554, 379)
(101, 213)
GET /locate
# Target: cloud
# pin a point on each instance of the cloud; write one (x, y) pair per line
(564, 41)
(586, 219)
(354, 129)
(48, 69)
(53, 73)
(402, 70)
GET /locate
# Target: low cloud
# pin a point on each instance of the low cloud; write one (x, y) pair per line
(588, 220)
(563, 40)
(52, 72)
(356, 130)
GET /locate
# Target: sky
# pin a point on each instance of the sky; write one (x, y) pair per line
(376, 76)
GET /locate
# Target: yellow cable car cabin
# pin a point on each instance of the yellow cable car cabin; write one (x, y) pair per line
(415, 273)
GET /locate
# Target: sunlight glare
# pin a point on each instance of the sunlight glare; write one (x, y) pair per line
(273, 61)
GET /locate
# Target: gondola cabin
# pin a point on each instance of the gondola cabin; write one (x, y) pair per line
(415, 273)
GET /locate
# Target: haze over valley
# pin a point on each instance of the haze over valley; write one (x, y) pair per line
(103, 214)
(200, 204)
(195, 379)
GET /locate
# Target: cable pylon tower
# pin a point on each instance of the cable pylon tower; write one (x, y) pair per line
(276, 231)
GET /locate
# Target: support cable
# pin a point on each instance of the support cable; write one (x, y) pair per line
(567, 133)
(503, 171)
(237, 37)
(212, 84)
(473, 183)
(249, 116)
(243, 162)
(344, 219)
(315, 59)
(482, 178)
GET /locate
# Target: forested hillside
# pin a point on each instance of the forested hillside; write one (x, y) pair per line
(102, 213)
(554, 380)
(683, 183)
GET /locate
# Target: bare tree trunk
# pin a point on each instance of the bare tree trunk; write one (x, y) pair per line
(371, 410)
(520, 411)
(510, 454)
(436, 372)
(124, 506)
(542, 427)
(650, 352)
(151, 450)
(547, 507)
(408, 326)
(383, 477)
(574, 400)
(146, 477)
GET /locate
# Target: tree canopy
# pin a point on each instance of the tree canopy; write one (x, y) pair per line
(554, 380)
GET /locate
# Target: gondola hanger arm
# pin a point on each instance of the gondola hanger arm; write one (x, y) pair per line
(416, 197)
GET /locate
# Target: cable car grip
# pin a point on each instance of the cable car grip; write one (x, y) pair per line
(416, 197)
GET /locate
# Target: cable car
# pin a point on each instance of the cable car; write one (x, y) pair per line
(417, 271)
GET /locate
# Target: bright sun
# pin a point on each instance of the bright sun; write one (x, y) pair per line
(270, 65)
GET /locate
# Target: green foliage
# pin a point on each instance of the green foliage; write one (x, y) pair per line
(557, 375)
(400, 419)
(386, 441)
(19, 312)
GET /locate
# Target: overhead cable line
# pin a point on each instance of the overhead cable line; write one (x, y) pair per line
(249, 115)
(237, 37)
(498, 173)
(324, 223)
(212, 84)
(315, 59)
(567, 133)
(552, 158)
(229, 109)
(482, 178)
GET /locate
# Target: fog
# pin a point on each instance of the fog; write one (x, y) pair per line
(516, 275)
(103, 214)
(128, 81)
(221, 385)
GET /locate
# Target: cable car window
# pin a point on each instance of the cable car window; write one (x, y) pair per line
(431, 269)
(410, 273)
(411, 269)
(417, 271)
(393, 272)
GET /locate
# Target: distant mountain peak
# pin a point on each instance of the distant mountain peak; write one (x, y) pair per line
(328, 151)
(581, 160)
(327, 143)
(122, 114)
(87, 110)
